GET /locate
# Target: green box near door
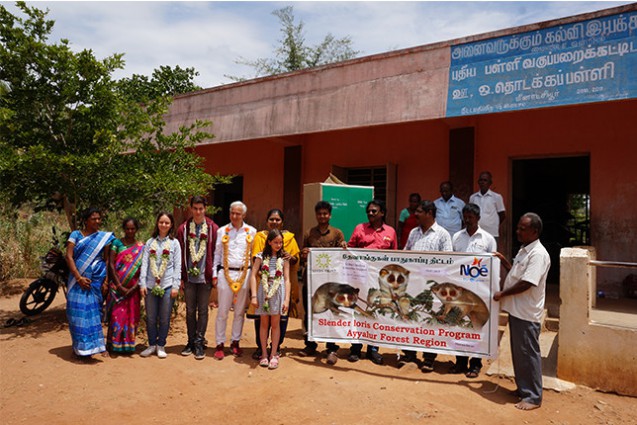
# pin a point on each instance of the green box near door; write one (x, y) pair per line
(348, 204)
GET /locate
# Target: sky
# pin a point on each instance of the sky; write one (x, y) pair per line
(212, 36)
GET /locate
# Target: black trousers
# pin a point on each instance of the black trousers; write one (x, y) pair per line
(197, 297)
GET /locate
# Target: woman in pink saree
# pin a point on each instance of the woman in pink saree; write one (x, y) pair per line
(122, 302)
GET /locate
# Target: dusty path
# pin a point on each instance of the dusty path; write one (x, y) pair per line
(41, 384)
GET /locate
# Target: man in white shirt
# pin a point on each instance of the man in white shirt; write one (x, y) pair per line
(428, 236)
(449, 209)
(471, 239)
(523, 296)
(231, 273)
(492, 213)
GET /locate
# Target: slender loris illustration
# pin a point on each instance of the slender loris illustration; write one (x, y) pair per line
(331, 296)
(466, 301)
(392, 293)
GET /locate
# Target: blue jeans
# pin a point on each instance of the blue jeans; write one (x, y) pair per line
(158, 317)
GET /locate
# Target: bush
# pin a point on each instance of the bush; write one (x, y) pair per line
(25, 236)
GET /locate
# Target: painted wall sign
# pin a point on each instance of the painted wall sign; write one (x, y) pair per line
(588, 61)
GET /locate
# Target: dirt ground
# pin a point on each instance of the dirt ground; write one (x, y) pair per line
(41, 383)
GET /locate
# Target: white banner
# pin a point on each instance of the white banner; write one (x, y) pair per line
(427, 301)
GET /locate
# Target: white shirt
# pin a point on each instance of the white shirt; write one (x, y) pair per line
(480, 242)
(237, 242)
(436, 238)
(449, 213)
(490, 204)
(531, 265)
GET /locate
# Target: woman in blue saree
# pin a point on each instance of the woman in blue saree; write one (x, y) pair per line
(87, 252)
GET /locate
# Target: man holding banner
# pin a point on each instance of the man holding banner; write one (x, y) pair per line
(321, 236)
(428, 236)
(523, 298)
(375, 234)
(471, 239)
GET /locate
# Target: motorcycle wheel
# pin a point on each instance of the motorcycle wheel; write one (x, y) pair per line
(38, 296)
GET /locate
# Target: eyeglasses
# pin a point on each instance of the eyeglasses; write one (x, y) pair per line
(372, 212)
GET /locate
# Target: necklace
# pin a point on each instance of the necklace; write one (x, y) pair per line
(270, 290)
(158, 273)
(197, 254)
(236, 285)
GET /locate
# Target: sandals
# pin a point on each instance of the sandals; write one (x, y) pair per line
(473, 372)
(427, 366)
(274, 362)
(264, 362)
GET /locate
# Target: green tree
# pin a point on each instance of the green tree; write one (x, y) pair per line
(69, 131)
(165, 81)
(292, 53)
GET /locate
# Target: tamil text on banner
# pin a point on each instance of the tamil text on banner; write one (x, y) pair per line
(429, 301)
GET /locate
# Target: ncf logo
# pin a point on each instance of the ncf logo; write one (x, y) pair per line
(476, 269)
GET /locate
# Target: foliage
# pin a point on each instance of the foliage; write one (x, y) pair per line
(26, 236)
(292, 52)
(165, 81)
(64, 124)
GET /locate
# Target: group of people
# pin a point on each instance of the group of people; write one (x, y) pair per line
(195, 258)
(255, 271)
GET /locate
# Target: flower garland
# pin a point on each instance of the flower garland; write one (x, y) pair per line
(236, 285)
(269, 291)
(197, 254)
(159, 273)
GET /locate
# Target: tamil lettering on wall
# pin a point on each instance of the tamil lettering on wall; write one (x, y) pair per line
(588, 61)
(438, 302)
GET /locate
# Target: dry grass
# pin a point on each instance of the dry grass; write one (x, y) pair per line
(25, 236)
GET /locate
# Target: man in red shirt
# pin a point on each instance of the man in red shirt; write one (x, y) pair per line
(375, 234)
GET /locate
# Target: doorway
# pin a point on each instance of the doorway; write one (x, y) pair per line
(558, 190)
(224, 195)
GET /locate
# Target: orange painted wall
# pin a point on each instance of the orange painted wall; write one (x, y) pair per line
(261, 165)
(418, 149)
(606, 131)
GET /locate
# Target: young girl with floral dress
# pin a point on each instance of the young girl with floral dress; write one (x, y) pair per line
(159, 282)
(271, 275)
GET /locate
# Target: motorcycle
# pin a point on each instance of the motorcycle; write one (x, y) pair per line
(41, 292)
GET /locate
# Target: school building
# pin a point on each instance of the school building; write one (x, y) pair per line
(550, 109)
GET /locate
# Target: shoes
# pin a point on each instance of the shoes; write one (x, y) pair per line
(332, 358)
(427, 366)
(236, 350)
(274, 362)
(187, 350)
(150, 350)
(219, 352)
(307, 352)
(353, 357)
(199, 352)
(256, 355)
(375, 357)
(161, 352)
(264, 362)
